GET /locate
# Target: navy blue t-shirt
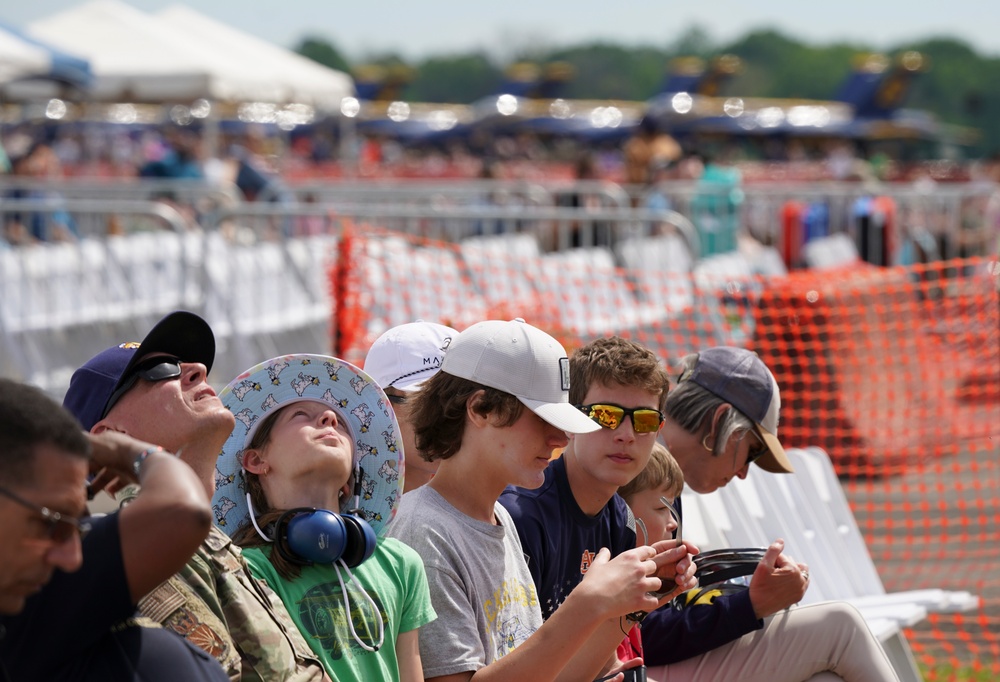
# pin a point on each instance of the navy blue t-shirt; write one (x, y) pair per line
(559, 539)
(80, 627)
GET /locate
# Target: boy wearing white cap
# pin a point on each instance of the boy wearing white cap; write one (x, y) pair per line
(400, 361)
(471, 416)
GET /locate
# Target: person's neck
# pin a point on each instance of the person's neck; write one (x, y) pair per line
(307, 491)
(590, 494)
(468, 489)
(202, 456)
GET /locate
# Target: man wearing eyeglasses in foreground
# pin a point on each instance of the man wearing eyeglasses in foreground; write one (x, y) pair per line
(70, 604)
(158, 391)
(43, 470)
(615, 381)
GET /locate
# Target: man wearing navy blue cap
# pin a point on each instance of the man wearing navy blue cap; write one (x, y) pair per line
(158, 391)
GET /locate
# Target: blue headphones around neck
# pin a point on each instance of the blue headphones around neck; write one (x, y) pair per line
(306, 535)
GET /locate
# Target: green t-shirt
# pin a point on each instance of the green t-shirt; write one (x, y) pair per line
(393, 577)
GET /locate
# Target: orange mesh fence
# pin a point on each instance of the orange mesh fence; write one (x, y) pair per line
(895, 372)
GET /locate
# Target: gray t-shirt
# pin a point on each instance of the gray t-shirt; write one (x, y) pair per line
(480, 586)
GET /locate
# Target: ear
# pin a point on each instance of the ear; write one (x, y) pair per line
(105, 425)
(719, 413)
(253, 461)
(473, 410)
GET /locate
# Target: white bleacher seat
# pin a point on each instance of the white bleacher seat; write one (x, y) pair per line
(819, 483)
(834, 251)
(725, 291)
(809, 510)
(661, 266)
(506, 270)
(402, 282)
(439, 288)
(590, 294)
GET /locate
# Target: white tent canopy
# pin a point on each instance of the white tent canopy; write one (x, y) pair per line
(137, 57)
(22, 58)
(303, 80)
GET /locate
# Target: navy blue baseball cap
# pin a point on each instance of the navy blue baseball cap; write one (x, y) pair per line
(181, 334)
(742, 379)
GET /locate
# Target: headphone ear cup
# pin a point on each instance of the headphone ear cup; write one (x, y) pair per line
(319, 537)
(361, 540)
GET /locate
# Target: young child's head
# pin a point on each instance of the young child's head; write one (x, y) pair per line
(307, 428)
(651, 495)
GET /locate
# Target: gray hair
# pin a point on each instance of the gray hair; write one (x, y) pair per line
(691, 407)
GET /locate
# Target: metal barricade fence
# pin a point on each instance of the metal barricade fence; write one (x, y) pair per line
(921, 222)
(464, 193)
(201, 195)
(63, 301)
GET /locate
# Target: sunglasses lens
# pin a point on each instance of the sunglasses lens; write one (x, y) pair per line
(608, 416)
(646, 421)
(160, 370)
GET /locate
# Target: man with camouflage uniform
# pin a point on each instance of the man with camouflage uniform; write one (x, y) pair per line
(157, 391)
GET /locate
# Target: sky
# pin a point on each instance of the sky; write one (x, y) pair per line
(417, 29)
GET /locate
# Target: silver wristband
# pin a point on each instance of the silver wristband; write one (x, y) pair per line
(141, 457)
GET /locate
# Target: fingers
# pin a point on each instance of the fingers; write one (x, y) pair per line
(772, 554)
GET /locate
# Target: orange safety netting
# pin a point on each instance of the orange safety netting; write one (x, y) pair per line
(895, 372)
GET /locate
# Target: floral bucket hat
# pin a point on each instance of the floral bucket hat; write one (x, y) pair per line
(262, 390)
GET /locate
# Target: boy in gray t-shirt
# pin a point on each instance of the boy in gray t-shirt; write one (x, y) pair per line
(471, 416)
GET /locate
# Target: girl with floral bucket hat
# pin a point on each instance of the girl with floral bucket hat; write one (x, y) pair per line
(306, 484)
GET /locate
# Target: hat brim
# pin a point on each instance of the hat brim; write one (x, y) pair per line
(411, 384)
(775, 461)
(271, 385)
(562, 416)
(181, 334)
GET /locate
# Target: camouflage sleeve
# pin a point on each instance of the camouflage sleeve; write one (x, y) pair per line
(188, 605)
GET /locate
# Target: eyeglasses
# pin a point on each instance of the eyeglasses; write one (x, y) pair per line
(611, 416)
(60, 527)
(756, 452)
(154, 369)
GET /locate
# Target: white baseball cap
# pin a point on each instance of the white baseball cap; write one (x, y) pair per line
(521, 360)
(407, 355)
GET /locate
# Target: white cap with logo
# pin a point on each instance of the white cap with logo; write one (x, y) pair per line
(521, 360)
(407, 355)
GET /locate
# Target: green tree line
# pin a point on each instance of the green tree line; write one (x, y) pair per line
(955, 86)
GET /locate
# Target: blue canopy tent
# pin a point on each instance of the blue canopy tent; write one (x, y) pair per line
(25, 58)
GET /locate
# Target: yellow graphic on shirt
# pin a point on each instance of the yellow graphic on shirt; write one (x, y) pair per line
(505, 629)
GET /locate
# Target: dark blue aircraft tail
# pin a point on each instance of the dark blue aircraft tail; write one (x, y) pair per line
(877, 88)
(691, 75)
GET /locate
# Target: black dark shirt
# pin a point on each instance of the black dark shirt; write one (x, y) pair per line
(81, 627)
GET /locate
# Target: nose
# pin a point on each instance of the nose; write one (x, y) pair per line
(555, 438)
(742, 473)
(193, 372)
(328, 417)
(68, 555)
(625, 432)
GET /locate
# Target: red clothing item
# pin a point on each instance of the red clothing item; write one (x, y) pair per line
(631, 646)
